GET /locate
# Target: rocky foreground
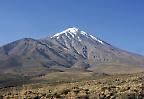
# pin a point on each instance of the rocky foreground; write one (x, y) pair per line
(124, 86)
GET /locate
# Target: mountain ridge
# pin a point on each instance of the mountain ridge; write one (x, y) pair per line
(71, 48)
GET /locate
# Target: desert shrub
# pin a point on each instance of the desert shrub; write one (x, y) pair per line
(65, 91)
(87, 91)
(83, 97)
(36, 97)
(49, 95)
(43, 94)
(132, 96)
(76, 90)
(104, 88)
(57, 95)
(49, 91)
(8, 97)
(140, 95)
(127, 96)
(1, 97)
(9, 93)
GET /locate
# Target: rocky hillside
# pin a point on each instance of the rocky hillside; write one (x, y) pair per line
(69, 49)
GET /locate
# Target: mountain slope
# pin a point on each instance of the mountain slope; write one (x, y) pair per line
(69, 49)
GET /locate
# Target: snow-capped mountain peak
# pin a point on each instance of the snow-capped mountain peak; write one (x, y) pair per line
(76, 33)
(72, 31)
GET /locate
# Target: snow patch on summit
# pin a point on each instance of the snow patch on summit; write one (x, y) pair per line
(84, 33)
(72, 31)
(75, 32)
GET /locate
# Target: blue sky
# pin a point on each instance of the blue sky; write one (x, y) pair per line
(119, 22)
